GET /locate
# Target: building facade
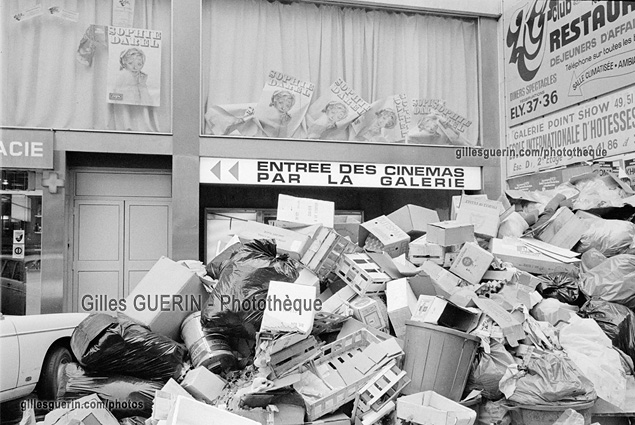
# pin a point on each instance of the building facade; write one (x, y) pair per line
(135, 130)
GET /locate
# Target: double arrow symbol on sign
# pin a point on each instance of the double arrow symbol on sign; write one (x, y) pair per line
(216, 170)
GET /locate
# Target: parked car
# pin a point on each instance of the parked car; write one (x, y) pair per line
(33, 348)
(13, 282)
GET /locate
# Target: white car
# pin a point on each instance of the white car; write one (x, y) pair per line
(32, 348)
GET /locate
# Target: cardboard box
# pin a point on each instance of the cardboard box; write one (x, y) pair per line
(286, 414)
(512, 275)
(305, 210)
(370, 311)
(438, 311)
(512, 329)
(516, 293)
(401, 303)
(338, 302)
(307, 278)
(429, 407)
(482, 213)
(456, 202)
(278, 318)
(444, 282)
(287, 241)
(392, 240)
(421, 284)
(449, 258)
(472, 262)
(421, 250)
(203, 385)
(526, 258)
(448, 233)
(167, 281)
(189, 411)
(414, 219)
(563, 229)
(83, 416)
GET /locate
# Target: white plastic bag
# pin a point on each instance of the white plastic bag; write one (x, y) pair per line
(612, 280)
(591, 350)
(610, 237)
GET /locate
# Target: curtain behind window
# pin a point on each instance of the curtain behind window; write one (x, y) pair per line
(378, 53)
(45, 86)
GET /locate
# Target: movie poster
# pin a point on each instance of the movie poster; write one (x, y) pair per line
(386, 121)
(283, 104)
(134, 66)
(231, 120)
(329, 117)
(433, 123)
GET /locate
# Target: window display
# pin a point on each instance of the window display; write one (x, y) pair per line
(314, 71)
(105, 65)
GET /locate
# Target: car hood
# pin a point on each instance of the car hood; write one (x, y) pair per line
(45, 322)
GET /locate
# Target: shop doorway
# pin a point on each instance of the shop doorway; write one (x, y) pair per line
(121, 227)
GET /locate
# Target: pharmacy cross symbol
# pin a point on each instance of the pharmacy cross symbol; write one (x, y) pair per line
(52, 182)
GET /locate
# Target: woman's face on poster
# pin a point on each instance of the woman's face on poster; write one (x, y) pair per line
(283, 103)
(429, 124)
(336, 114)
(134, 63)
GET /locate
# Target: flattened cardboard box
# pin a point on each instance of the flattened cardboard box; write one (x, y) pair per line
(429, 407)
(563, 230)
(512, 329)
(522, 257)
(414, 219)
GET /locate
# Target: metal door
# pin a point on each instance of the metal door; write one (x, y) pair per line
(115, 243)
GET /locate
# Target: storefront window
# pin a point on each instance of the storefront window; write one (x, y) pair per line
(313, 71)
(21, 243)
(98, 65)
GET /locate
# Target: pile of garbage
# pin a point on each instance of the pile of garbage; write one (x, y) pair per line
(516, 303)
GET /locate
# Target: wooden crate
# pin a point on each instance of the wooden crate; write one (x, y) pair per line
(325, 250)
(361, 273)
(382, 389)
(337, 351)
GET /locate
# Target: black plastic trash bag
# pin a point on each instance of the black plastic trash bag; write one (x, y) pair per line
(235, 307)
(110, 345)
(616, 320)
(562, 286)
(123, 395)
